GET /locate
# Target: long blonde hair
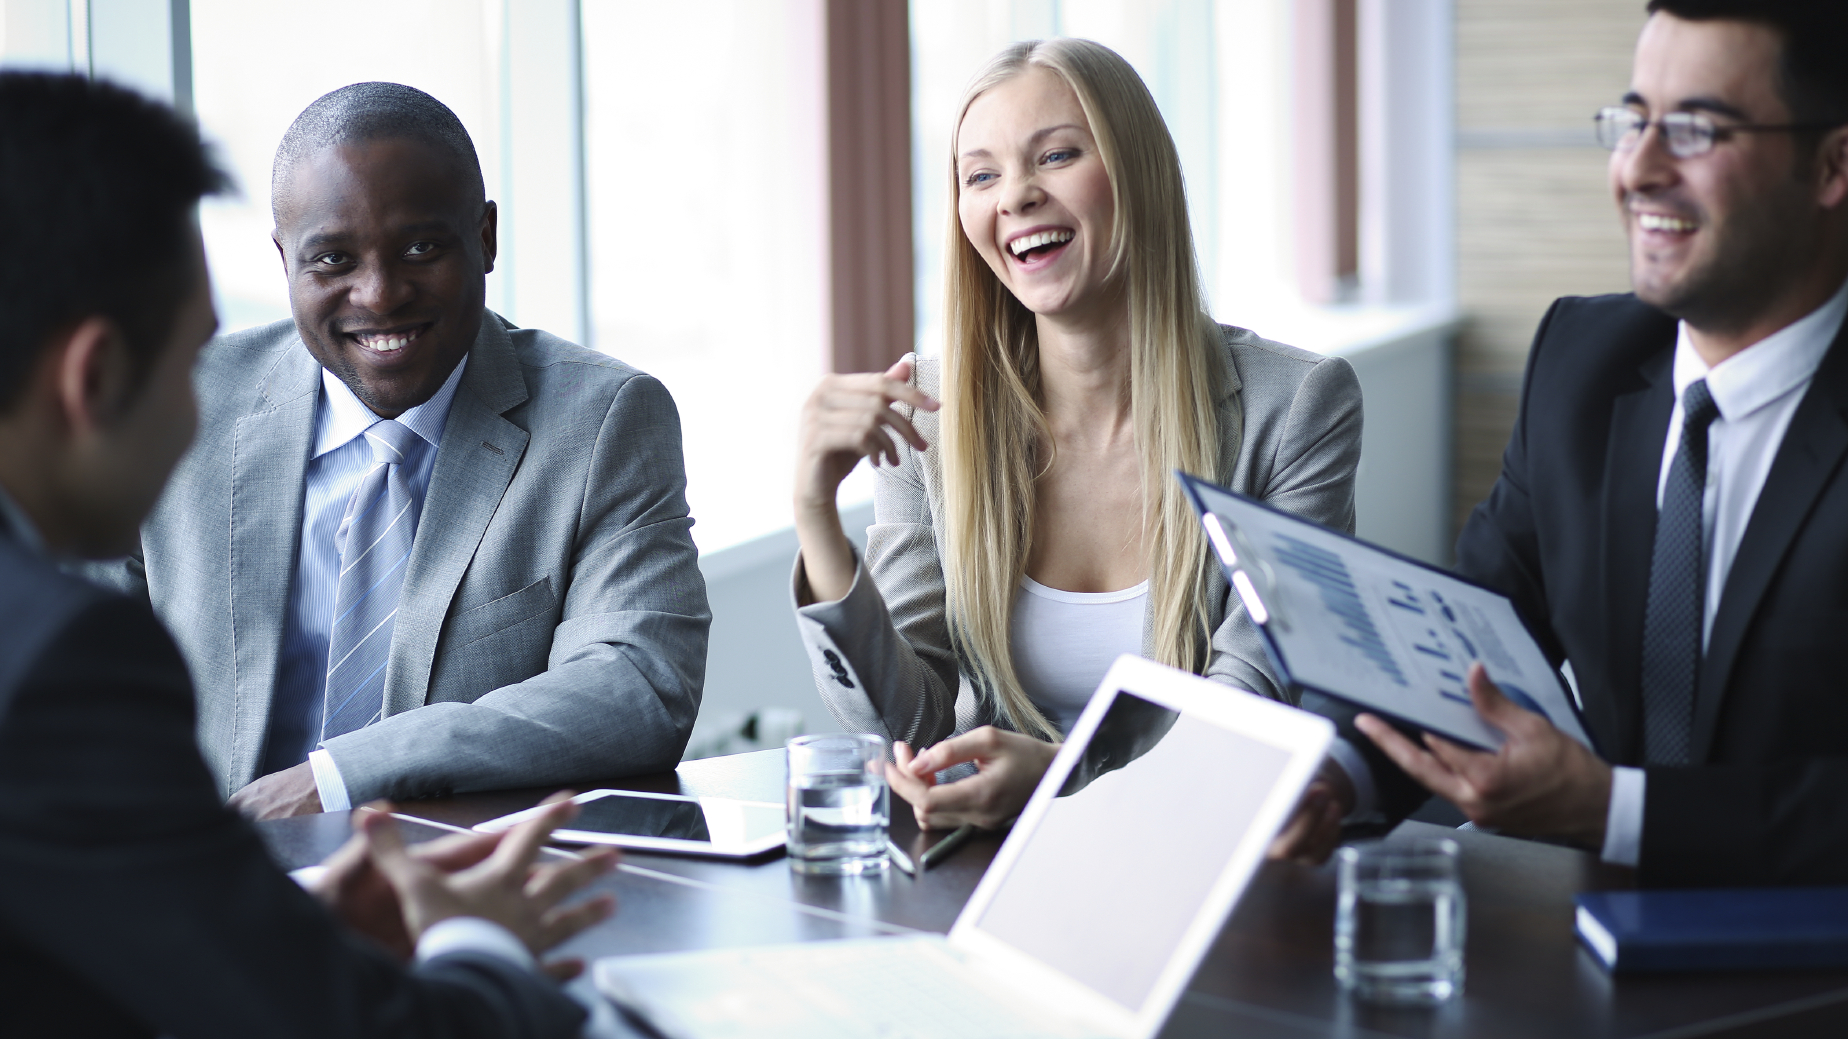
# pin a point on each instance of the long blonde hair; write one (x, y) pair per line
(993, 429)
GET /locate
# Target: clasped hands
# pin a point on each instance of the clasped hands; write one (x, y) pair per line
(1541, 783)
(392, 894)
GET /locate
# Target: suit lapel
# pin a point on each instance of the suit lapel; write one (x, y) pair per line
(268, 468)
(1633, 464)
(1230, 411)
(474, 465)
(1806, 461)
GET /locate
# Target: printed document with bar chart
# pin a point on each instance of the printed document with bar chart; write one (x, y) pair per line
(1387, 633)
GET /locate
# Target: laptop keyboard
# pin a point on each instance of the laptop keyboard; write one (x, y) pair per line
(885, 988)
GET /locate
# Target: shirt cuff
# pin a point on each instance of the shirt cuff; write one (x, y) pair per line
(473, 934)
(308, 876)
(1623, 825)
(1359, 773)
(327, 780)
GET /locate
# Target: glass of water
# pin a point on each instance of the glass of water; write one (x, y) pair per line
(838, 803)
(1399, 924)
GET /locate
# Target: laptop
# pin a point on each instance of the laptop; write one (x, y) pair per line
(1089, 923)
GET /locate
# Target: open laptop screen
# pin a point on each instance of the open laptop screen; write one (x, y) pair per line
(1116, 872)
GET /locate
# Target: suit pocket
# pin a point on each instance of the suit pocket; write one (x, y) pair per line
(492, 618)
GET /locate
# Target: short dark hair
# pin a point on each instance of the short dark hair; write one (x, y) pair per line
(97, 190)
(362, 112)
(1813, 70)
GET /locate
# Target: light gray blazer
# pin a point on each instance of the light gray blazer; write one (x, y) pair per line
(1289, 426)
(552, 627)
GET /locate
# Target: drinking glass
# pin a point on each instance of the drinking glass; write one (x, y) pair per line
(838, 803)
(1399, 923)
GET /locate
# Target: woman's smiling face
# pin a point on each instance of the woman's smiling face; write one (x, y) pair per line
(1034, 197)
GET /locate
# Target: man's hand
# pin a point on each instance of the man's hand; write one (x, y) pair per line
(1009, 765)
(1542, 783)
(280, 795)
(359, 896)
(505, 887)
(1314, 829)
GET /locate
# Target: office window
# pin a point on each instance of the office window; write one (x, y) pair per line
(256, 66)
(706, 181)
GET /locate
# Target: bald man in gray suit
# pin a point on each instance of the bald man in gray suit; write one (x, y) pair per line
(415, 549)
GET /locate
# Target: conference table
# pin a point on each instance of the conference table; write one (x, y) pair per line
(1269, 974)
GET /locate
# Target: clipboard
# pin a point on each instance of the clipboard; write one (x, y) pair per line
(1387, 633)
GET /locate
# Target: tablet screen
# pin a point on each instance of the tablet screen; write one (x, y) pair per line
(642, 817)
(721, 822)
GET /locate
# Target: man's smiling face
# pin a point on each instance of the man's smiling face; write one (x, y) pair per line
(387, 245)
(1713, 237)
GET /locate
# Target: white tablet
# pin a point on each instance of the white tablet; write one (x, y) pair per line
(716, 827)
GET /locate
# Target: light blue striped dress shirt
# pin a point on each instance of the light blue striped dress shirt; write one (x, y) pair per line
(340, 459)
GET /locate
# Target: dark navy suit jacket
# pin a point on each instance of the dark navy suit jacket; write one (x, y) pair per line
(1567, 533)
(133, 903)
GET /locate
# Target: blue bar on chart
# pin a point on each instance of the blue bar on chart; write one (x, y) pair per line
(1330, 576)
(1407, 599)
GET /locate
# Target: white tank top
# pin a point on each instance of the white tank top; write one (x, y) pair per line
(1063, 642)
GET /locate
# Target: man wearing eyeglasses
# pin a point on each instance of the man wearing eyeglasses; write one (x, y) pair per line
(1672, 514)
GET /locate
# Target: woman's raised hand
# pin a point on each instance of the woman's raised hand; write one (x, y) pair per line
(847, 418)
(850, 417)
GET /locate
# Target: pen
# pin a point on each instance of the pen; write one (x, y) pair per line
(900, 859)
(942, 849)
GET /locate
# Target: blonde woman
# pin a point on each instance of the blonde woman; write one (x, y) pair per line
(1027, 526)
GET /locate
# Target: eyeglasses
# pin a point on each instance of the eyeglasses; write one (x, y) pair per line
(1688, 133)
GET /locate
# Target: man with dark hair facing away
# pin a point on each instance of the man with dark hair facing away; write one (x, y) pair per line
(132, 901)
(1672, 514)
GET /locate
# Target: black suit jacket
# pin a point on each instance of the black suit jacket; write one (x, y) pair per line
(1567, 533)
(132, 902)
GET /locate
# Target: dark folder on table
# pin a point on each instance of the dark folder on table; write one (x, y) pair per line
(1364, 624)
(1716, 929)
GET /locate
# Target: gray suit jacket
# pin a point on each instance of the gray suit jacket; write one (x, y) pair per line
(1289, 435)
(552, 627)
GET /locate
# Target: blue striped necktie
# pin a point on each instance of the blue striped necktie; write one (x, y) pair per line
(375, 543)
(1676, 611)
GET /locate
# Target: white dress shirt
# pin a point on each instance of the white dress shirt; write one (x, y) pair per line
(1757, 391)
(341, 457)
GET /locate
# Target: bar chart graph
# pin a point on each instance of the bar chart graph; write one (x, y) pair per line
(1329, 575)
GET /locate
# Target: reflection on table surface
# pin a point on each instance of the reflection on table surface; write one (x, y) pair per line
(1269, 974)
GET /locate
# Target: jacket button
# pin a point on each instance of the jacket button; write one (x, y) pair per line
(844, 680)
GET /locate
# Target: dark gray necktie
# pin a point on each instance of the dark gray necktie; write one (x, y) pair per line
(1672, 620)
(375, 543)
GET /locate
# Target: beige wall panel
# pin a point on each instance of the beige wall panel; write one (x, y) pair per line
(1533, 223)
(1542, 63)
(1538, 223)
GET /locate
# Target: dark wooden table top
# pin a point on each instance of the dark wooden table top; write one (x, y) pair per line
(1269, 975)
